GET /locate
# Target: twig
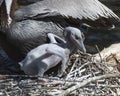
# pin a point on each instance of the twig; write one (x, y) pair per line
(71, 69)
(99, 52)
(84, 77)
(109, 86)
(79, 85)
(80, 67)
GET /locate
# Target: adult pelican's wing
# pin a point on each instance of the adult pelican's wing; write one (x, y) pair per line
(114, 5)
(81, 9)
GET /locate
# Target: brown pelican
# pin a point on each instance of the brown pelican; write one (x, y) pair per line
(23, 33)
(46, 56)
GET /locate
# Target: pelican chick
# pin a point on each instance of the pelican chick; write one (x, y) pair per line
(46, 56)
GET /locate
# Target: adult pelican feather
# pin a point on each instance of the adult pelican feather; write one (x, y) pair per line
(86, 10)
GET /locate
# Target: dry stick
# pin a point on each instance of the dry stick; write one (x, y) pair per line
(99, 52)
(84, 77)
(79, 85)
(109, 86)
(80, 67)
(71, 69)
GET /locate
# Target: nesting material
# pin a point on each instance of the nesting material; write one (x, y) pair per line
(83, 76)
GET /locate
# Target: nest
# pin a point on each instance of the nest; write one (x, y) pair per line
(84, 76)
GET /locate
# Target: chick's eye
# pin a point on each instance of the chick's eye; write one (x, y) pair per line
(76, 37)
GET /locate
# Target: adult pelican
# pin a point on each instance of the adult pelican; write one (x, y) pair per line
(27, 29)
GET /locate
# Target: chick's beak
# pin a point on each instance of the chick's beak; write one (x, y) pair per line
(82, 47)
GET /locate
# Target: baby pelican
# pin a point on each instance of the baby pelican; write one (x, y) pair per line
(46, 56)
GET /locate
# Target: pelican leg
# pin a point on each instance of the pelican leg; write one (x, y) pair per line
(63, 67)
(63, 54)
(41, 72)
